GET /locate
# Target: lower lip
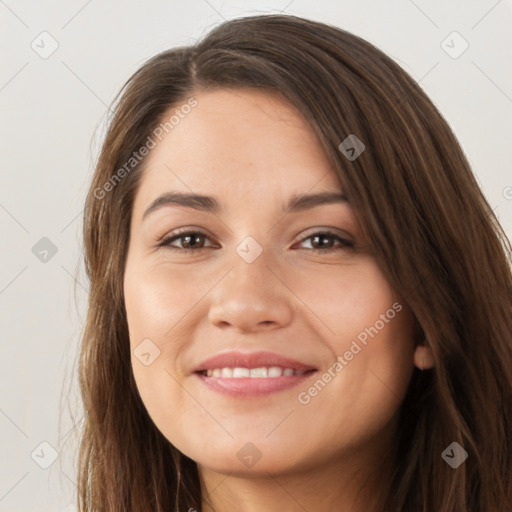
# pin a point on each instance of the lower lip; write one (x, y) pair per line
(247, 387)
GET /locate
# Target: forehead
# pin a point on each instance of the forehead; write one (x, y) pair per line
(238, 143)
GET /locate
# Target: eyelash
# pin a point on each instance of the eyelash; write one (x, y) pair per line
(166, 241)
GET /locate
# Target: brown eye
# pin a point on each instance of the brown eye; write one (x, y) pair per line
(189, 241)
(324, 241)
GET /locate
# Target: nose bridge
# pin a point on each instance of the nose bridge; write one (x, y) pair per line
(250, 295)
(251, 269)
(251, 260)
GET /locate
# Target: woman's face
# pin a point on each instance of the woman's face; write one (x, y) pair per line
(268, 281)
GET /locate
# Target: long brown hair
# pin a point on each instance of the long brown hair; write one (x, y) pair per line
(434, 234)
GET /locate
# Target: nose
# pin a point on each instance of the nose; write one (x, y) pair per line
(252, 297)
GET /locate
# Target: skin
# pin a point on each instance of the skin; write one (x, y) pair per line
(253, 151)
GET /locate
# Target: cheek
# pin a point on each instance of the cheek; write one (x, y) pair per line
(162, 310)
(156, 299)
(345, 299)
(353, 402)
(160, 302)
(369, 331)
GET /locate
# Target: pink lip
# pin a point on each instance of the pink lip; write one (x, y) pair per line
(250, 360)
(247, 387)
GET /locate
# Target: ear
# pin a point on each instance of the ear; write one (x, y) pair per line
(423, 358)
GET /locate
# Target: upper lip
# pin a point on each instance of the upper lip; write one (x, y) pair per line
(250, 360)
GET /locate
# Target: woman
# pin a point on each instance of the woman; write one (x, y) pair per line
(300, 298)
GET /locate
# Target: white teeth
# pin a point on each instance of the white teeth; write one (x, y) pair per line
(275, 371)
(258, 373)
(261, 372)
(226, 372)
(240, 372)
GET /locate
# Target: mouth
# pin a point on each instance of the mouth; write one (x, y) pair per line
(251, 375)
(263, 372)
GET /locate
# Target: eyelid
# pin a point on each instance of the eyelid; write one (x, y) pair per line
(183, 231)
(165, 240)
(344, 235)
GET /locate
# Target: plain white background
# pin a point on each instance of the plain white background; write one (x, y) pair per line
(53, 110)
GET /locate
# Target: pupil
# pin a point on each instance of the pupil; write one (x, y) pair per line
(321, 237)
(191, 241)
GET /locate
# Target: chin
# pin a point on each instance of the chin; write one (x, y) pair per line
(232, 466)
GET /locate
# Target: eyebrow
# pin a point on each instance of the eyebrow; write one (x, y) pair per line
(199, 202)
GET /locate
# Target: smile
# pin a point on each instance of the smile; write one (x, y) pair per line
(264, 372)
(251, 374)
